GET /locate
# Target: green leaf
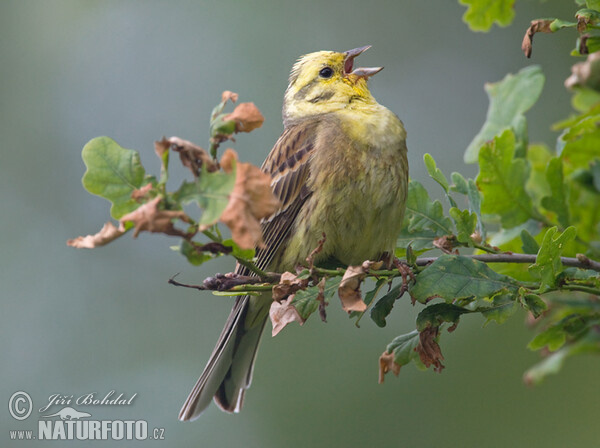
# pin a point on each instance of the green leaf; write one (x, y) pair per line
(595, 171)
(235, 293)
(501, 180)
(246, 254)
(593, 4)
(305, 301)
(553, 337)
(535, 304)
(210, 191)
(369, 296)
(551, 365)
(578, 152)
(194, 256)
(424, 220)
(481, 14)
(589, 342)
(559, 24)
(460, 183)
(530, 245)
(113, 173)
(509, 100)
(584, 98)
(384, 306)
(435, 173)
(502, 307)
(581, 276)
(453, 277)
(404, 348)
(538, 157)
(465, 224)
(547, 263)
(435, 315)
(557, 201)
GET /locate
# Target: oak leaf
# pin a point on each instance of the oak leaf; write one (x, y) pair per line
(349, 290)
(288, 284)
(247, 117)
(141, 193)
(537, 26)
(108, 233)
(191, 155)
(149, 218)
(429, 350)
(229, 95)
(283, 313)
(250, 201)
(387, 364)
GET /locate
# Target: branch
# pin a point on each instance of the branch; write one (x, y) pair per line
(232, 282)
(581, 261)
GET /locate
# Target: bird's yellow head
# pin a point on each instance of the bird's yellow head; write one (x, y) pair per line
(325, 82)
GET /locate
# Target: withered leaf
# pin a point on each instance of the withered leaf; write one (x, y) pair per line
(349, 290)
(537, 26)
(283, 313)
(108, 233)
(149, 218)
(585, 74)
(429, 350)
(141, 193)
(191, 155)
(229, 95)
(445, 243)
(250, 201)
(321, 298)
(288, 284)
(387, 364)
(247, 117)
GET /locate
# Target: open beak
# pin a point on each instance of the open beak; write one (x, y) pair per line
(361, 72)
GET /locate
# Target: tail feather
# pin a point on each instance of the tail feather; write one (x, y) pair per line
(228, 372)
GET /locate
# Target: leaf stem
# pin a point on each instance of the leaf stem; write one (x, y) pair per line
(253, 268)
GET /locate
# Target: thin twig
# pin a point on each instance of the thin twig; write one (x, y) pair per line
(581, 261)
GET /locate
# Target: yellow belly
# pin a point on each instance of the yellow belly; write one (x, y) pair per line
(359, 186)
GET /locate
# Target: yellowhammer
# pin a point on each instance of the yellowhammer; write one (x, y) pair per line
(339, 168)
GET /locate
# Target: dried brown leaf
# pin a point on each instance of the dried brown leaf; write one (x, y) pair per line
(229, 95)
(321, 299)
(288, 284)
(349, 289)
(537, 26)
(108, 233)
(161, 146)
(283, 313)
(250, 201)
(429, 350)
(149, 218)
(387, 364)
(141, 193)
(311, 257)
(247, 117)
(585, 74)
(445, 243)
(191, 155)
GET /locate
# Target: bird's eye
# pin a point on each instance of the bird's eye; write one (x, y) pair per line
(326, 72)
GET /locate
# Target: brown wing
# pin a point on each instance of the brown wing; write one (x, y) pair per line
(288, 165)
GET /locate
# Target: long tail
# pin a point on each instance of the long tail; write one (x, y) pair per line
(228, 372)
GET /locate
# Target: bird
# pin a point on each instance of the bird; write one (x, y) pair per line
(340, 169)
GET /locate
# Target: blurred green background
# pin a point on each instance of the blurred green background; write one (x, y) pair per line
(78, 321)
